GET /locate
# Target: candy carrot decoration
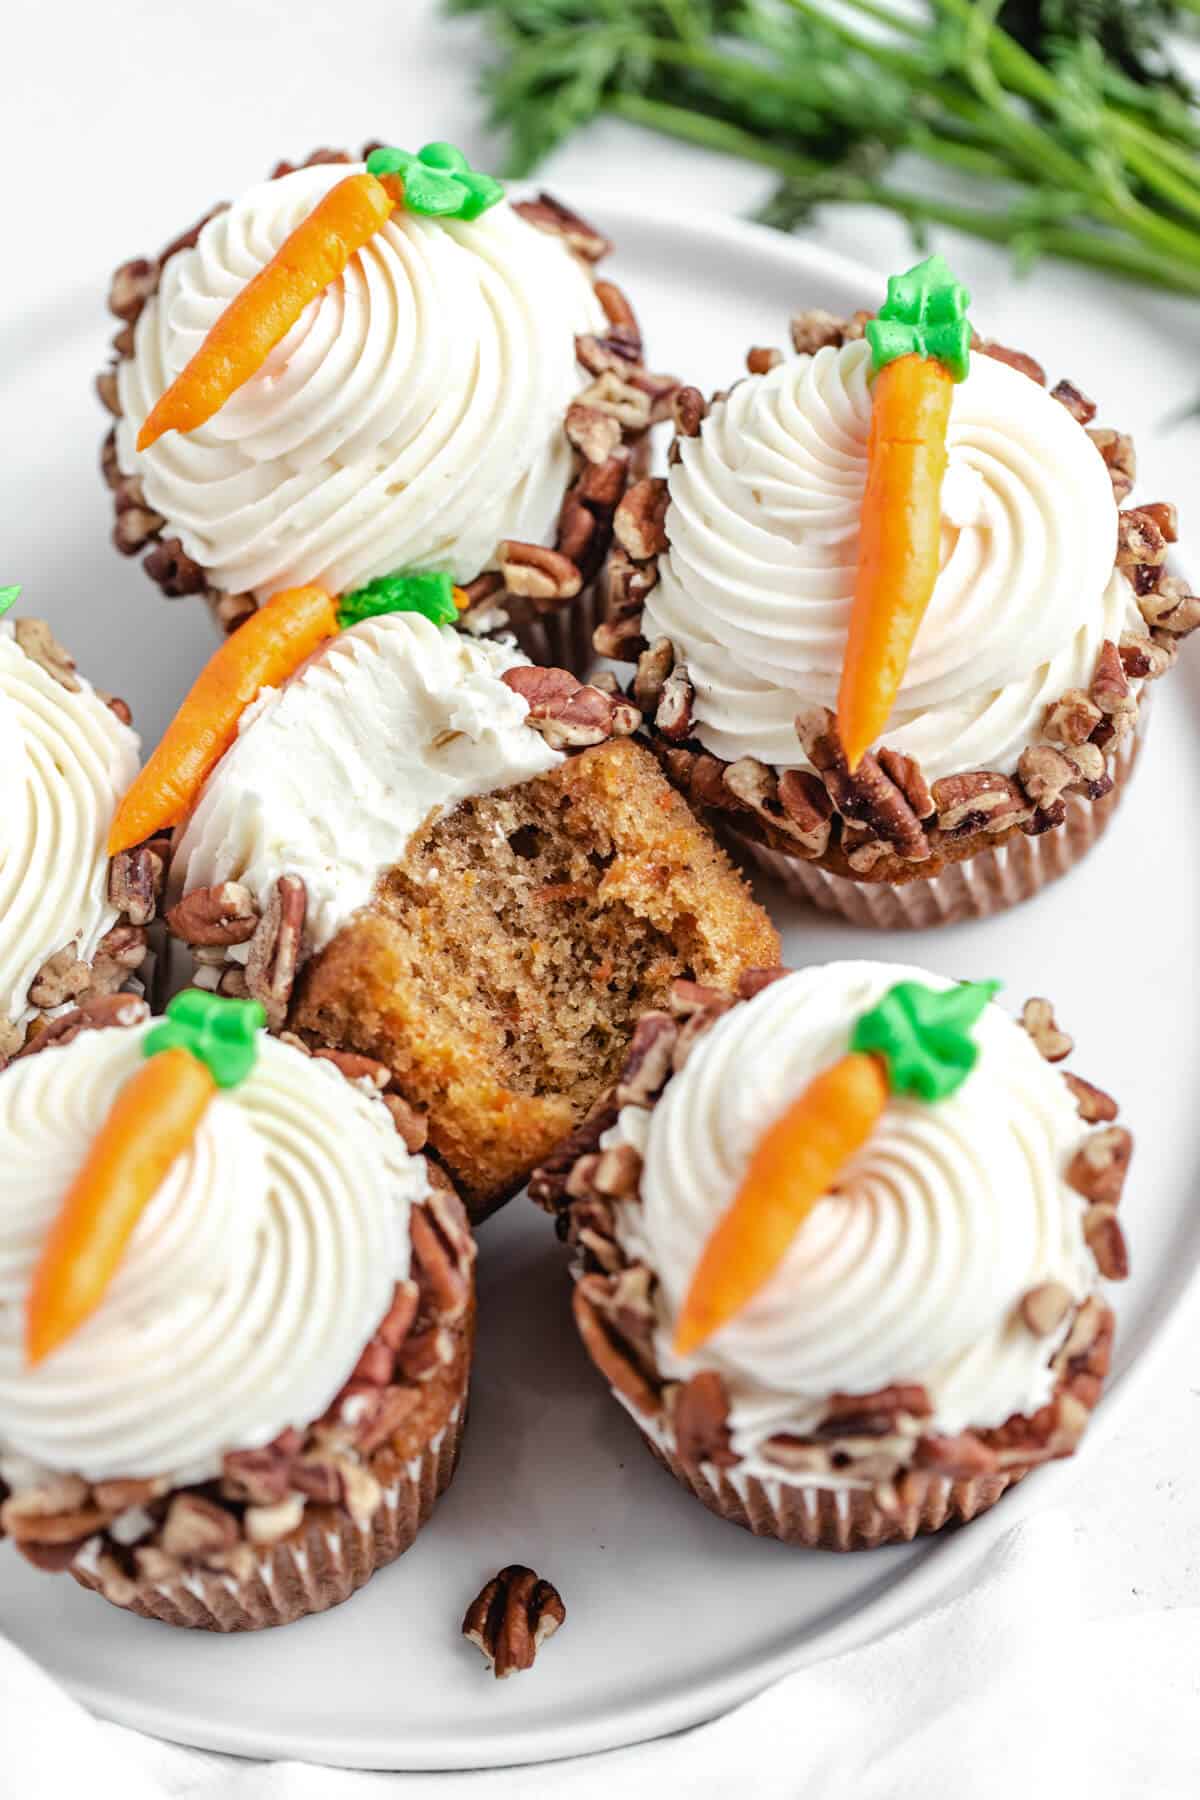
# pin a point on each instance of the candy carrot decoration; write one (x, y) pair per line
(916, 1041)
(438, 181)
(206, 1043)
(262, 653)
(920, 345)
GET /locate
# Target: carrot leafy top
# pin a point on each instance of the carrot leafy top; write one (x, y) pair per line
(438, 181)
(427, 591)
(925, 314)
(222, 1034)
(8, 598)
(924, 1036)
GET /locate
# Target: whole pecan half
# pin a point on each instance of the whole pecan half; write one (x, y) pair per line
(224, 914)
(511, 1618)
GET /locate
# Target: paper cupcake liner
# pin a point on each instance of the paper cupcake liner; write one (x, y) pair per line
(326, 1560)
(836, 1518)
(563, 639)
(987, 882)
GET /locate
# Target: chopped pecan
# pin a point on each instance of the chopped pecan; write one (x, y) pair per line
(700, 1415)
(224, 914)
(601, 485)
(689, 409)
(905, 772)
(796, 1454)
(1099, 1167)
(654, 665)
(195, 1527)
(979, 801)
(397, 1321)
(546, 578)
(1077, 404)
(874, 1415)
(231, 610)
(868, 796)
(1109, 689)
(618, 354)
(135, 879)
(119, 952)
(608, 1348)
(617, 308)
(1071, 719)
(443, 1253)
(275, 948)
(96, 1013)
(619, 396)
(648, 1060)
(594, 434)
(107, 392)
(1016, 359)
(579, 541)
(174, 570)
(1168, 606)
(812, 330)
(1143, 659)
(62, 977)
(411, 1124)
(568, 714)
(511, 1617)
(1086, 1328)
(1046, 773)
(271, 1524)
(42, 647)
(131, 286)
(257, 1477)
(961, 1457)
(1045, 1307)
(1045, 818)
(620, 640)
(1106, 1241)
(617, 1172)
(807, 810)
(761, 360)
(1140, 537)
(134, 526)
(673, 715)
(550, 215)
(639, 523)
(1037, 1017)
(1092, 1103)
(1116, 448)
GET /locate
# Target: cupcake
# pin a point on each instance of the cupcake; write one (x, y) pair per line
(422, 849)
(72, 927)
(758, 585)
(467, 395)
(839, 1249)
(226, 1405)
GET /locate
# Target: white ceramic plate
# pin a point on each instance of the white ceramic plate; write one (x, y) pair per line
(672, 1615)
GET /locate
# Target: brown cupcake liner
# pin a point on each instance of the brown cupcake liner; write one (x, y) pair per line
(326, 1560)
(843, 1518)
(994, 878)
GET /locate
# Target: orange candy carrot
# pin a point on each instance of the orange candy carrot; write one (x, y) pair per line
(794, 1164)
(899, 545)
(152, 1121)
(263, 652)
(261, 316)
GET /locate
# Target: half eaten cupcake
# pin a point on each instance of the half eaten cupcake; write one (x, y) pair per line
(235, 1319)
(72, 928)
(892, 628)
(448, 385)
(420, 848)
(839, 1247)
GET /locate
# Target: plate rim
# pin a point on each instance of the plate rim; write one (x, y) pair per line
(911, 1594)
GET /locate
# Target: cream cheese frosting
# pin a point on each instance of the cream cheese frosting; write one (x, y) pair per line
(260, 1269)
(67, 760)
(756, 589)
(913, 1268)
(412, 417)
(332, 774)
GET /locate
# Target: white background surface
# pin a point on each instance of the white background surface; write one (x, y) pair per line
(129, 121)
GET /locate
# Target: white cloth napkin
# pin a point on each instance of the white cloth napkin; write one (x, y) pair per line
(1011, 1688)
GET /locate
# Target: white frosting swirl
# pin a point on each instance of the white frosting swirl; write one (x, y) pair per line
(412, 417)
(253, 1280)
(913, 1268)
(757, 587)
(67, 760)
(333, 773)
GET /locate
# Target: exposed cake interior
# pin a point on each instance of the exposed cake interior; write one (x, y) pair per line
(503, 962)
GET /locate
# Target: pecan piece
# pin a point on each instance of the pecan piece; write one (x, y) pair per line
(257, 1477)
(119, 952)
(135, 879)
(550, 215)
(224, 914)
(173, 569)
(618, 309)
(1143, 659)
(1092, 1103)
(94, 1014)
(874, 1415)
(592, 1302)
(443, 1252)
(868, 796)
(511, 1618)
(42, 647)
(62, 977)
(130, 288)
(760, 360)
(648, 1060)
(673, 715)
(617, 1172)
(905, 772)
(275, 948)
(639, 523)
(1076, 403)
(568, 714)
(1037, 1017)
(1106, 1241)
(1169, 607)
(107, 392)
(1072, 718)
(195, 1527)
(1099, 1167)
(595, 434)
(1116, 448)
(689, 409)
(611, 393)
(653, 667)
(700, 1415)
(812, 330)
(546, 578)
(979, 801)
(1045, 1307)
(961, 1457)
(1140, 537)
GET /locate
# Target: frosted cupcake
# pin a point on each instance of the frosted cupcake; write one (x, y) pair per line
(1014, 715)
(464, 395)
(839, 1249)
(72, 927)
(235, 1321)
(419, 847)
